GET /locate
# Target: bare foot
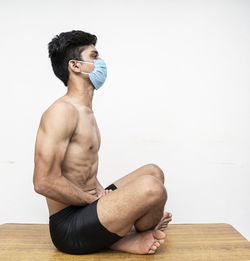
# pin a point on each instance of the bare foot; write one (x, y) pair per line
(140, 243)
(162, 225)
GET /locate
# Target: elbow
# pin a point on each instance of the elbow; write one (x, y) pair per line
(39, 188)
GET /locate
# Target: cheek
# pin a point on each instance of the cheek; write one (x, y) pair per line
(91, 67)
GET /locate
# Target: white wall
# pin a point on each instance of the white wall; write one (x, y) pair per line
(177, 95)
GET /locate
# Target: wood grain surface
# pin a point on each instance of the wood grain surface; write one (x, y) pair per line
(183, 242)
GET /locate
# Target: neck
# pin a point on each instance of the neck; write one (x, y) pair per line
(80, 93)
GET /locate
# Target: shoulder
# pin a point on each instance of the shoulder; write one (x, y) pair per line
(61, 107)
(60, 111)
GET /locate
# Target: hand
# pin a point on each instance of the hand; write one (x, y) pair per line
(104, 192)
(91, 198)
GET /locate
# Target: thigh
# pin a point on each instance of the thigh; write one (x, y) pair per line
(117, 211)
(144, 170)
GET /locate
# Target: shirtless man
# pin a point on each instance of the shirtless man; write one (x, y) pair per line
(84, 217)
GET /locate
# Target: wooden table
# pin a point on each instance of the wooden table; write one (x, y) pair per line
(183, 242)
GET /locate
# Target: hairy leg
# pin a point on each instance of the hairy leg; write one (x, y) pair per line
(120, 209)
(148, 169)
(157, 211)
(152, 217)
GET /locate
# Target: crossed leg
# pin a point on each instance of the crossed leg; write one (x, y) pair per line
(151, 217)
(139, 200)
(148, 169)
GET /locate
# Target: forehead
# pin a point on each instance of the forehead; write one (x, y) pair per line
(89, 49)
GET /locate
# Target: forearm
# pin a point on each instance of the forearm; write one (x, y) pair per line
(64, 191)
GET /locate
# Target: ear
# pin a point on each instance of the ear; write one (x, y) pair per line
(74, 66)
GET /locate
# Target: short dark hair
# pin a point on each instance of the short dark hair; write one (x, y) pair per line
(67, 46)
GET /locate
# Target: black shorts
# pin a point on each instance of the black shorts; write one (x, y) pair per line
(77, 229)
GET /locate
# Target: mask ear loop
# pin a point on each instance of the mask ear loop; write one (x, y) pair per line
(84, 62)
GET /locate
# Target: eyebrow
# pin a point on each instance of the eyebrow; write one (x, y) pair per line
(95, 52)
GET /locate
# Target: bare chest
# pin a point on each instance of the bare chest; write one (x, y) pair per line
(86, 137)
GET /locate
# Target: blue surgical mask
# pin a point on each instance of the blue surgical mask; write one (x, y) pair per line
(99, 74)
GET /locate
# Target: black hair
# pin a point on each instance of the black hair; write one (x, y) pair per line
(67, 46)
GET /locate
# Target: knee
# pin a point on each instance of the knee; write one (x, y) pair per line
(152, 188)
(156, 171)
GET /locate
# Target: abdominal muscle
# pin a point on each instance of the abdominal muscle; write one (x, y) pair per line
(80, 169)
(88, 186)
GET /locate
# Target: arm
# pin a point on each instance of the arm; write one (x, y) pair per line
(56, 128)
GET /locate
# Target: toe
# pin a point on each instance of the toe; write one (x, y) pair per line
(154, 247)
(157, 244)
(161, 241)
(158, 234)
(169, 216)
(151, 251)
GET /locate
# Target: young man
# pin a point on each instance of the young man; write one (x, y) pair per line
(84, 217)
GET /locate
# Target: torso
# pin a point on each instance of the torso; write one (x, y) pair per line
(80, 164)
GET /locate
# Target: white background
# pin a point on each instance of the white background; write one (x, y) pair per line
(177, 95)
